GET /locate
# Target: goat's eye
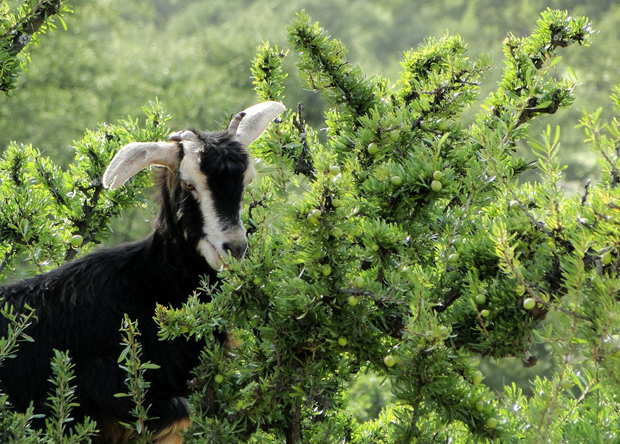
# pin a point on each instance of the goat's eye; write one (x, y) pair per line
(188, 185)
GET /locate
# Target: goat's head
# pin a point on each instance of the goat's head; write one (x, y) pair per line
(208, 174)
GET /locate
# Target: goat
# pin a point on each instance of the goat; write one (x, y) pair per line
(80, 305)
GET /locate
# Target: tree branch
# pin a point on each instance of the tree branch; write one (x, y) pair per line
(24, 30)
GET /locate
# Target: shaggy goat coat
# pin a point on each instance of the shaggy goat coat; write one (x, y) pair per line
(81, 305)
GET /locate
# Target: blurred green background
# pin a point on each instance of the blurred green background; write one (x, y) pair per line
(195, 55)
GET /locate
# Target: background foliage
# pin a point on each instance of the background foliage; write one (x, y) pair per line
(406, 246)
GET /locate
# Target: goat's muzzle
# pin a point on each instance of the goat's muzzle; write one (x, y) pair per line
(236, 249)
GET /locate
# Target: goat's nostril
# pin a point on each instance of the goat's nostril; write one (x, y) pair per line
(235, 249)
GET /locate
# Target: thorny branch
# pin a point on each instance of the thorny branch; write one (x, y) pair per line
(304, 162)
(23, 31)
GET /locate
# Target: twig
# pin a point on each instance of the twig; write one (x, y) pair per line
(304, 163)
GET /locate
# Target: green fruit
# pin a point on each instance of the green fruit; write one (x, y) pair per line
(484, 313)
(565, 384)
(372, 149)
(477, 377)
(77, 240)
(342, 341)
(336, 203)
(374, 247)
(529, 303)
(453, 258)
(442, 125)
(606, 258)
(457, 241)
(359, 282)
(513, 204)
(480, 406)
(326, 269)
(313, 217)
(394, 135)
(437, 175)
(257, 280)
(336, 232)
(425, 125)
(334, 170)
(436, 186)
(352, 300)
(218, 379)
(444, 331)
(492, 423)
(480, 299)
(389, 360)
(396, 180)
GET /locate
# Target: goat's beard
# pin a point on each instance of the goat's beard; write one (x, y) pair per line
(210, 253)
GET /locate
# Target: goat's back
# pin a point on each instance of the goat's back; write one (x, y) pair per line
(80, 308)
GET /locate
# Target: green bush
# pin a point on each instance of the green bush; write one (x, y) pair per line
(396, 240)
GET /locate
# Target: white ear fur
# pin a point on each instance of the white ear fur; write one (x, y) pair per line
(254, 120)
(135, 157)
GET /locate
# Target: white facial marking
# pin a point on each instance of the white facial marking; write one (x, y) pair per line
(211, 247)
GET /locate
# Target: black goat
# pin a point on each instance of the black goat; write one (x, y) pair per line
(80, 306)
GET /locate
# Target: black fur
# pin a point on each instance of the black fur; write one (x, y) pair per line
(80, 306)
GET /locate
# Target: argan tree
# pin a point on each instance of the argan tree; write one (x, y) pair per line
(399, 239)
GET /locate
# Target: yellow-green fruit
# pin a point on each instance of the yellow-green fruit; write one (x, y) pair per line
(484, 313)
(389, 360)
(336, 232)
(336, 203)
(372, 149)
(218, 379)
(313, 217)
(477, 377)
(529, 303)
(77, 240)
(443, 125)
(352, 300)
(480, 298)
(396, 180)
(492, 423)
(606, 258)
(326, 269)
(425, 125)
(358, 282)
(334, 170)
(437, 175)
(453, 258)
(394, 135)
(436, 186)
(342, 341)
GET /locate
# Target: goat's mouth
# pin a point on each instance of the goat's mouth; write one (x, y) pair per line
(214, 257)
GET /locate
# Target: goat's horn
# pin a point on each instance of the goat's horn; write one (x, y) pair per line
(249, 124)
(182, 135)
(234, 124)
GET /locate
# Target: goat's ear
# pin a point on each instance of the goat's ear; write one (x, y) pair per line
(248, 125)
(135, 157)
